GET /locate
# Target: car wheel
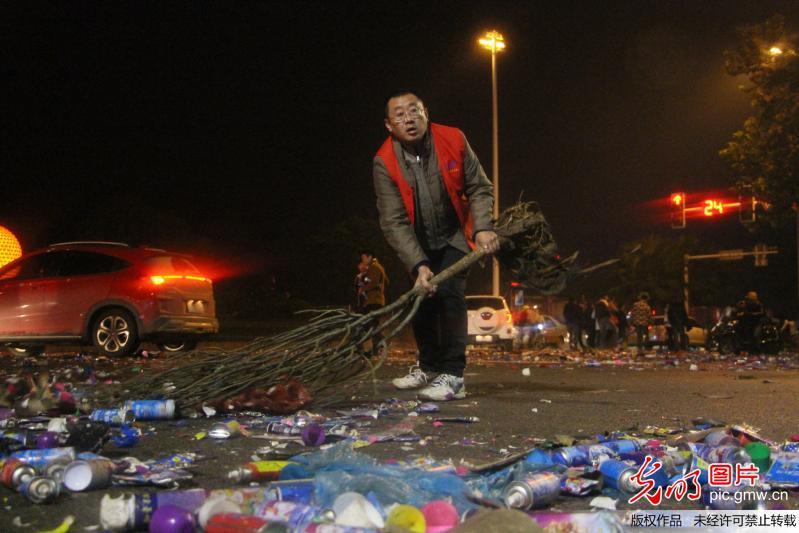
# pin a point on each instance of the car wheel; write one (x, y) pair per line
(114, 333)
(177, 346)
(32, 351)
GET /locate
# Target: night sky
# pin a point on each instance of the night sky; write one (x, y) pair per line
(247, 128)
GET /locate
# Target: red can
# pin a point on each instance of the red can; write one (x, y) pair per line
(235, 523)
(14, 472)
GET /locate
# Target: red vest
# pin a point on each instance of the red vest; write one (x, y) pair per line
(449, 146)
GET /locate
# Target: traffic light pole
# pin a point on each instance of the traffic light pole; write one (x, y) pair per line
(725, 255)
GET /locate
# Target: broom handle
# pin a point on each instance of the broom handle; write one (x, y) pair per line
(463, 264)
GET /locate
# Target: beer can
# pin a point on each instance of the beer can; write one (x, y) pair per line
(14, 472)
(152, 409)
(40, 489)
(40, 458)
(533, 490)
(113, 417)
(570, 456)
(539, 456)
(623, 445)
(300, 491)
(88, 474)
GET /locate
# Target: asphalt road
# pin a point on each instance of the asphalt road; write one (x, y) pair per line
(560, 396)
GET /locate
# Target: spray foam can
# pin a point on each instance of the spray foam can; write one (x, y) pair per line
(532, 490)
(152, 409)
(41, 458)
(14, 472)
(113, 417)
(88, 474)
(40, 489)
(258, 471)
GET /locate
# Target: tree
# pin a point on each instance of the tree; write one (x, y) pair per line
(656, 269)
(764, 154)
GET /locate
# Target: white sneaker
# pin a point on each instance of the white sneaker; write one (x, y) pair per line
(445, 387)
(415, 379)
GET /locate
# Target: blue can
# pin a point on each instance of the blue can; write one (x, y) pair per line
(41, 458)
(539, 456)
(623, 445)
(23, 437)
(571, 456)
(618, 475)
(113, 417)
(291, 491)
(152, 409)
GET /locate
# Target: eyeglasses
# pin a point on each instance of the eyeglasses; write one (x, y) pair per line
(412, 113)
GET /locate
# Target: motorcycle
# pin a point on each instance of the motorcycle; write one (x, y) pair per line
(729, 335)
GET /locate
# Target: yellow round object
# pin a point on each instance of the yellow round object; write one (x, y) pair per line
(9, 246)
(406, 517)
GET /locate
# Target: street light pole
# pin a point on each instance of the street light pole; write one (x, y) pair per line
(494, 42)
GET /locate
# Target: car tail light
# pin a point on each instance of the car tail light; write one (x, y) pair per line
(160, 280)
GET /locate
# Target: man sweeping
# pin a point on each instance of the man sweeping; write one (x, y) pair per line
(435, 203)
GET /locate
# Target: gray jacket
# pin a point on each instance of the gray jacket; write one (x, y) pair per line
(394, 221)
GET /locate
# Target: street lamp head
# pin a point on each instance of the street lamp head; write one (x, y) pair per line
(492, 41)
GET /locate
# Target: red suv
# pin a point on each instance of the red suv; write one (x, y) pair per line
(110, 294)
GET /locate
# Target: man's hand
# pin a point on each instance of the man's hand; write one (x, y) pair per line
(488, 241)
(423, 277)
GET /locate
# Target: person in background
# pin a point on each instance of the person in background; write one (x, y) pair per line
(587, 323)
(374, 290)
(605, 330)
(360, 292)
(572, 315)
(435, 205)
(678, 321)
(640, 317)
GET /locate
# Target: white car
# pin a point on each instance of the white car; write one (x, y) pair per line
(489, 321)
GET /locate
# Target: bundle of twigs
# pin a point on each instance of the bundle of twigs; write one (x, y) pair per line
(335, 349)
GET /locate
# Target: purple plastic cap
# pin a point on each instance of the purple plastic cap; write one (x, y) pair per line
(48, 439)
(172, 519)
(313, 435)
